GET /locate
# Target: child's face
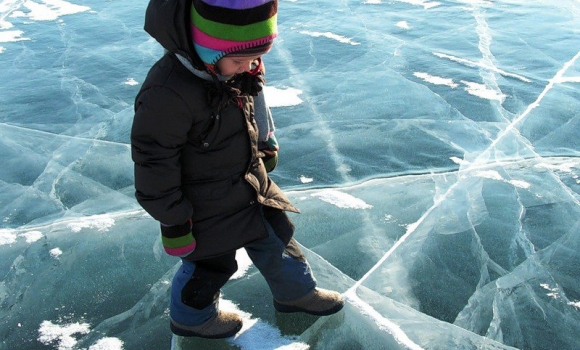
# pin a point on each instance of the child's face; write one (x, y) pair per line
(236, 65)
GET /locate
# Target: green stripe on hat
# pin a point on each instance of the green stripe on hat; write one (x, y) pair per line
(233, 32)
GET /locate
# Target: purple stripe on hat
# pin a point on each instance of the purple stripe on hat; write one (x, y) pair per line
(237, 4)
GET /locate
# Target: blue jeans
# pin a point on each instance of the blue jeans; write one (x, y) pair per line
(196, 285)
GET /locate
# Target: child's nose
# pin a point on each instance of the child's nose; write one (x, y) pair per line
(246, 67)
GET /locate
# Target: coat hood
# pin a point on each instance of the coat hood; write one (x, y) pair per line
(167, 22)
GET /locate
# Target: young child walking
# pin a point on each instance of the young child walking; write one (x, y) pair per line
(201, 139)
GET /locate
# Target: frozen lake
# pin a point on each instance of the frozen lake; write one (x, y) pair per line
(433, 148)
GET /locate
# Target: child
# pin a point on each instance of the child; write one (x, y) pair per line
(200, 139)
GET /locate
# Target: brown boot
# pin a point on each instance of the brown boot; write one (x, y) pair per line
(223, 325)
(319, 302)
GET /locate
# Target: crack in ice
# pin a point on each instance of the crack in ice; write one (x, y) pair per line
(558, 78)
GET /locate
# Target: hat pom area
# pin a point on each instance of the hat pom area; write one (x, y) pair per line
(232, 27)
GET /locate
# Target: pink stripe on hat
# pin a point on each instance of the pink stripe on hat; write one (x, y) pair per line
(227, 46)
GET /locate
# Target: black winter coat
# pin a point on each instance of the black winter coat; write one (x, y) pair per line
(194, 159)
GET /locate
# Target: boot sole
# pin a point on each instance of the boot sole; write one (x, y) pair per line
(185, 333)
(290, 309)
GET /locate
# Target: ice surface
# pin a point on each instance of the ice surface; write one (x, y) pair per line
(432, 147)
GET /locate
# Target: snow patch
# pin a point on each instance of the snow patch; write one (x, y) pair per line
(244, 263)
(480, 90)
(568, 80)
(255, 331)
(55, 253)
(426, 4)
(9, 36)
(49, 10)
(107, 344)
(7, 236)
(341, 199)
(403, 25)
(520, 184)
(99, 222)
(436, 80)
(330, 35)
(564, 167)
(458, 160)
(489, 174)
(32, 236)
(50, 333)
(282, 97)
(131, 82)
(470, 63)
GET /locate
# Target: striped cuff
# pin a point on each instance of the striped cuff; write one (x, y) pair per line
(177, 239)
(179, 246)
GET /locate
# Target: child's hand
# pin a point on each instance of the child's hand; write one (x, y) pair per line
(270, 149)
(270, 160)
(178, 240)
(273, 142)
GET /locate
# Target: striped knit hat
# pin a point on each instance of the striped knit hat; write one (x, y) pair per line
(232, 27)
